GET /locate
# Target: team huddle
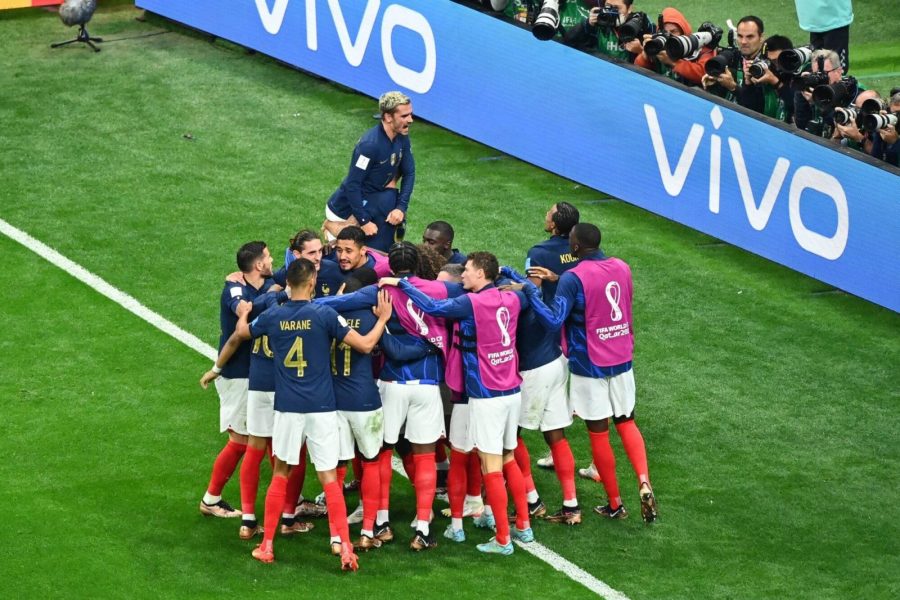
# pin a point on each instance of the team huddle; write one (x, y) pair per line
(355, 354)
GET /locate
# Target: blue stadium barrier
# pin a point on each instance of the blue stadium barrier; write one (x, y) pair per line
(765, 189)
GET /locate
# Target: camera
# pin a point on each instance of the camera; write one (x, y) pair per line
(878, 121)
(547, 21)
(688, 46)
(810, 81)
(845, 116)
(873, 106)
(759, 67)
(835, 94)
(792, 60)
(634, 27)
(729, 57)
(656, 44)
(608, 17)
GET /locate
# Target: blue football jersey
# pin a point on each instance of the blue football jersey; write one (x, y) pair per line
(354, 383)
(238, 367)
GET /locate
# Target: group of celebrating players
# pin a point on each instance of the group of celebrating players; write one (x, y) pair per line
(356, 353)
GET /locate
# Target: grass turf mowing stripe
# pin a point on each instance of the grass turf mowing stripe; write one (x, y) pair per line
(131, 304)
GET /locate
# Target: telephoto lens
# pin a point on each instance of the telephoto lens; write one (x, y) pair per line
(879, 121)
(872, 106)
(835, 94)
(547, 21)
(792, 60)
(718, 63)
(656, 44)
(845, 116)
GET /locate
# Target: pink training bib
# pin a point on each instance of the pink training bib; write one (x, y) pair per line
(607, 311)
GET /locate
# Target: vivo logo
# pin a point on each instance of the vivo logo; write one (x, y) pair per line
(354, 48)
(758, 213)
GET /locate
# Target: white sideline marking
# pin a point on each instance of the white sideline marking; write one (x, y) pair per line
(550, 557)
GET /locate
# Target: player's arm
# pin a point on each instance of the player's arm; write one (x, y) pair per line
(407, 179)
(240, 335)
(551, 318)
(360, 164)
(405, 348)
(451, 308)
(366, 297)
(366, 343)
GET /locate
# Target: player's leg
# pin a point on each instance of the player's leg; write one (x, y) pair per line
(324, 450)
(368, 433)
(515, 480)
(260, 418)
(233, 419)
(288, 431)
(395, 405)
(487, 426)
(589, 399)
(456, 478)
(290, 524)
(622, 398)
(424, 426)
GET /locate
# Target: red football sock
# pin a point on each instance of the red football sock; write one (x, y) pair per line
(496, 496)
(473, 475)
(605, 461)
(633, 442)
(341, 474)
(357, 468)
(337, 511)
(516, 484)
(387, 472)
(523, 459)
(295, 484)
(370, 491)
(250, 479)
(409, 465)
(426, 481)
(456, 482)
(224, 466)
(274, 503)
(564, 464)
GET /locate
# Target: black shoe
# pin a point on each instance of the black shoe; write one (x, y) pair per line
(422, 542)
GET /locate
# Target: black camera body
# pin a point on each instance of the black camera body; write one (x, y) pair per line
(608, 17)
(809, 81)
(836, 94)
(634, 27)
(726, 58)
(759, 67)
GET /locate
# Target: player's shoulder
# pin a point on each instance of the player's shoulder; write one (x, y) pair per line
(232, 289)
(371, 137)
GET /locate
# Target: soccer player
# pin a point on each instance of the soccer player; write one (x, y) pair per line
(255, 265)
(368, 196)
(439, 235)
(483, 363)
(300, 335)
(260, 418)
(593, 301)
(409, 389)
(307, 244)
(351, 253)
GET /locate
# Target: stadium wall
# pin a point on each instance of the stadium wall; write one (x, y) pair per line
(712, 167)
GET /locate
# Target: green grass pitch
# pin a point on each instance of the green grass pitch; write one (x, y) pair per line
(769, 403)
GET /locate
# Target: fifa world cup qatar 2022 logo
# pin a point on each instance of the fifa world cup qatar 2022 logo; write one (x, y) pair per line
(613, 294)
(503, 319)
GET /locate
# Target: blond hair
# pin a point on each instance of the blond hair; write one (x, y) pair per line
(389, 102)
(829, 55)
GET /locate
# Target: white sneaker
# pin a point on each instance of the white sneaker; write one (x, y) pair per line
(545, 462)
(472, 508)
(589, 473)
(356, 516)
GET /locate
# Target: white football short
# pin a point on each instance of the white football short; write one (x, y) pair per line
(365, 428)
(232, 404)
(318, 430)
(260, 413)
(418, 405)
(545, 404)
(459, 428)
(330, 216)
(493, 423)
(598, 398)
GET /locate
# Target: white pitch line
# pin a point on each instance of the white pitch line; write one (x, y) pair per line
(550, 557)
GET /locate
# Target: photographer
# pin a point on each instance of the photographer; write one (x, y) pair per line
(873, 139)
(760, 93)
(775, 45)
(688, 70)
(825, 68)
(555, 17)
(613, 30)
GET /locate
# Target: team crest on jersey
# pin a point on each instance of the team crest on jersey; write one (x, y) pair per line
(393, 158)
(326, 291)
